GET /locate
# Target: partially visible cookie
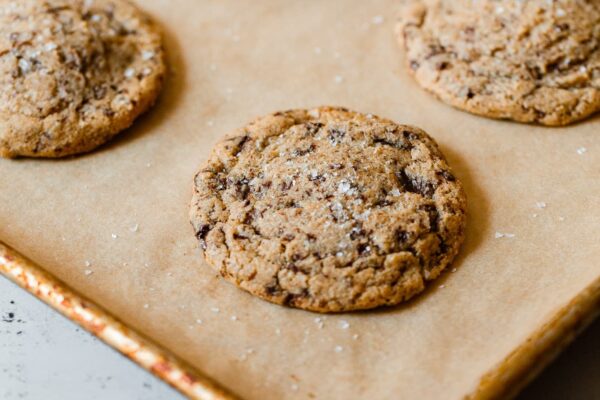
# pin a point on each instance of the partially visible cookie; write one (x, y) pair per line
(328, 210)
(530, 61)
(73, 73)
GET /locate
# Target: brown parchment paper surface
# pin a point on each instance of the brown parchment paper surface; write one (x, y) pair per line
(234, 60)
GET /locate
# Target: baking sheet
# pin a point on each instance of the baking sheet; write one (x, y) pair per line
(234, 60)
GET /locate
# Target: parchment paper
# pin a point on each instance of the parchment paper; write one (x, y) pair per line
(233, 60)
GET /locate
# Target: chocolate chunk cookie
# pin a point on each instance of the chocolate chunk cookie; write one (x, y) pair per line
(530, 61)
(328, 210)
(73, 73)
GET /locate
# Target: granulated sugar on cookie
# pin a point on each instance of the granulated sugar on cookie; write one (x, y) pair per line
(328, 210)
(73, 73)
(530, 61)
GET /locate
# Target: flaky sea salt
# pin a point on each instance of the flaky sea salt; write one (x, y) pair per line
(88, 272)
(24, 65)
(498, 235)
(338, 79)
(114, 235)
(215, 309)
(581, 150)
(344, 186)
(338, 349)
(148, 54)
(377, 20)
(540, 204)
(344, 324)
(134, 228)
(129, 72)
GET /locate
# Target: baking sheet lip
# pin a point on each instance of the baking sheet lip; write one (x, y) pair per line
(505, 380)
(528, 360)
(143, 351)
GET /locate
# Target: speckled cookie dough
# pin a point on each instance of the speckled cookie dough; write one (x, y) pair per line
(328, 210)
(73, 73)
(530, 61)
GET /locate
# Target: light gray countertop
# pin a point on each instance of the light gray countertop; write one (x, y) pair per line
(45, 356)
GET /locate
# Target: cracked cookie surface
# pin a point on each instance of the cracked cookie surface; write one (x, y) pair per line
(529, 61)
(328, 210)
(73, 73)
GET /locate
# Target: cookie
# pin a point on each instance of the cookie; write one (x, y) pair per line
(328, 210)
(529, 61)
(73, 73)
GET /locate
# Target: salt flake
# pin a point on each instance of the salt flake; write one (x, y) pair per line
(377, 20)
